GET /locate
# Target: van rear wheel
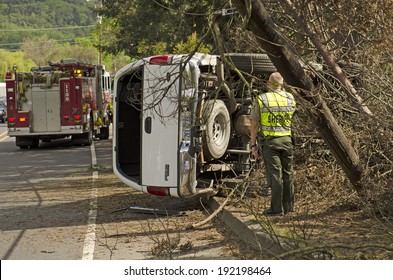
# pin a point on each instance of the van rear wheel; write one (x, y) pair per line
(217, 131)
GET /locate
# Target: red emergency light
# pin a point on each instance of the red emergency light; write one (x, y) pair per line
(8, 75)
(77, 119)
(11, 120)
(158, 191)
(161, 59)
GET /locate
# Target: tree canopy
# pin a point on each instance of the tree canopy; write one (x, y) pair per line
(142, 28)
(63, 21)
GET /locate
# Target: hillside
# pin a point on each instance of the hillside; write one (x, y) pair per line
(63, 21)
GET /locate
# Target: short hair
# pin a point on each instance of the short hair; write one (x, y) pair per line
(276, 79)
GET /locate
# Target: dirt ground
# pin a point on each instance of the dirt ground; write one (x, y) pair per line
(167, 235)
(330, 221)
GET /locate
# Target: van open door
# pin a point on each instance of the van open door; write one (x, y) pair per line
(160, 127)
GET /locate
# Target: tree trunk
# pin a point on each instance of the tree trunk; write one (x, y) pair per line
(286, 62)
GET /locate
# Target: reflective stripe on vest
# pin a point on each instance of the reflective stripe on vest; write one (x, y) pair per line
(276, 110)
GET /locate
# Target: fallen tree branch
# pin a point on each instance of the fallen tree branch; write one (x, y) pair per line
(287, 63)
(216, 212)
(330, 60)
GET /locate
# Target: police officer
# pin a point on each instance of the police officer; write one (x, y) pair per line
(271, 119)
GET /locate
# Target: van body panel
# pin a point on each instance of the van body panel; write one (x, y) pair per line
(160, 126)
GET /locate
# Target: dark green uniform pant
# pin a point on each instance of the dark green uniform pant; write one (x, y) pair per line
(278, 156)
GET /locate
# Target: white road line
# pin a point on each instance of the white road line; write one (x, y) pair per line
(90, 236)
(5, 137)
(93, 155)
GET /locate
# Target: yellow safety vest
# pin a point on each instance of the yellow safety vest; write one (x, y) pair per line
(276, 109)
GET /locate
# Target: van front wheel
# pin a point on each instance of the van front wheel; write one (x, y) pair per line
(217, 131)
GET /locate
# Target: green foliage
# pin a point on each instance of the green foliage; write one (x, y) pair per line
(42, 50)
(190, 45)
(143, 28)
(9, 59)
(62, 21)
(114, 62)
(145, 49)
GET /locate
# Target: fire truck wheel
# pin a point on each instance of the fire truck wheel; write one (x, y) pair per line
(217, 131)
(104, 133)
(89, 135)
(85, 138)
(35, 144)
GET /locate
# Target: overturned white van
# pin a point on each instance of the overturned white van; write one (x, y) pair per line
(181, 122)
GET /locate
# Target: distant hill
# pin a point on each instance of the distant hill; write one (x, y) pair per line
(60, 20)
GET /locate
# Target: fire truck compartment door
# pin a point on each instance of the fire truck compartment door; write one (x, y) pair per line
(45, 109)
(160, 126)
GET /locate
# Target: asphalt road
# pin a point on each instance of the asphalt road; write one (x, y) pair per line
(63, 202)
(15, 161)
(24, 232)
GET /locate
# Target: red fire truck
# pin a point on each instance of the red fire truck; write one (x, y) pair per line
(64, 99)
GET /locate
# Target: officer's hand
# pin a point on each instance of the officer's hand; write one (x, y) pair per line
(254, 151)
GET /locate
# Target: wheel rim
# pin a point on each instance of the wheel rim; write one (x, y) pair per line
(218, 130)
(217, 134)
